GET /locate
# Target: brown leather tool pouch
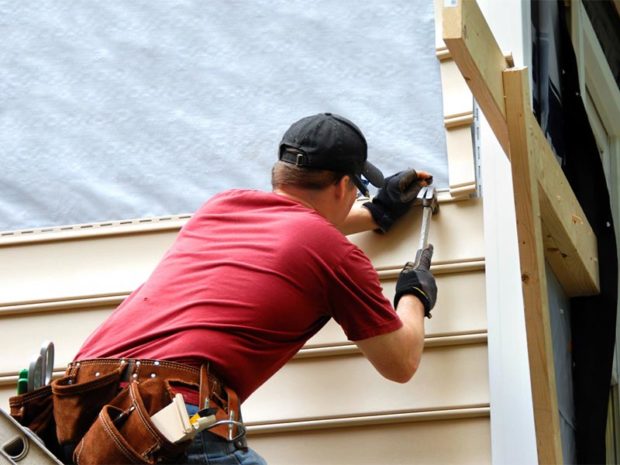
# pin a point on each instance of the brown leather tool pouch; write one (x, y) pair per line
(124, 433)
(76, 404)
(100, 411)
(34, 410)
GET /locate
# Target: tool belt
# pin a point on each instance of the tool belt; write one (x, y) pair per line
(99, 411)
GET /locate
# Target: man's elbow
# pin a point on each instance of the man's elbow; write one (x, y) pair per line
(396, 356)
(403, 373)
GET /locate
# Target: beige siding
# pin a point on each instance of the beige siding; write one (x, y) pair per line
(85, 265)
(457, 99)
(346, 385)
(449, 441)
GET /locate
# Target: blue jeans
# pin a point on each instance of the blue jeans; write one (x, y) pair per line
(207, 448)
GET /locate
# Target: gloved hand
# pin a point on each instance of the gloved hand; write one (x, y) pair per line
(396, 196)
(418, 281)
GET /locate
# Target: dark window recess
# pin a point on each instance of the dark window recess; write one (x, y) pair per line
(605, 20)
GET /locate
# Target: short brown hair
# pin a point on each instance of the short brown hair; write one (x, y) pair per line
(287, 174)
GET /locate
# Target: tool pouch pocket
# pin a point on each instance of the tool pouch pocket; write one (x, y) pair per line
(76, 404)
(124, 433)
(34, 410)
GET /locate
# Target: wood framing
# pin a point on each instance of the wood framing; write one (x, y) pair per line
(570, 244)
(535, 298)
(551, 224)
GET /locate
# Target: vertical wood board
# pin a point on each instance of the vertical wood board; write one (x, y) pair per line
(529, 230)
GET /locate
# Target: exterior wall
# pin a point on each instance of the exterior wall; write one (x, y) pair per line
(327, 405)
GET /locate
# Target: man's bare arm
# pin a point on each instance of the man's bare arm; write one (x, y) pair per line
(396, 355)
(358, 220)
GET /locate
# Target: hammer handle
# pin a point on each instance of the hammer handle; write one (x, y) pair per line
(426, 222)
(426, 225)
(418, 257)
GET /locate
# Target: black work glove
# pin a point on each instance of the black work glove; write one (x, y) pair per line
(395, 197)
(418, 281)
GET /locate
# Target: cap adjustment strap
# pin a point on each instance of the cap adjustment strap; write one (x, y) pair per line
(295, 158)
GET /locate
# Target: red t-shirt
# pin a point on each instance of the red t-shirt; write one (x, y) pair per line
(250, 278)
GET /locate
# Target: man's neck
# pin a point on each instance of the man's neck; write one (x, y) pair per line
(296, 197)
(326, 202)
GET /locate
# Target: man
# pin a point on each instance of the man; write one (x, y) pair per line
(253, 275)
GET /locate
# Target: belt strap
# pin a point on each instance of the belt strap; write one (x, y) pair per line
(134, 370)
(205, 390)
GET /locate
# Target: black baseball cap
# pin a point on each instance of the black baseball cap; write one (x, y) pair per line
(330, 142)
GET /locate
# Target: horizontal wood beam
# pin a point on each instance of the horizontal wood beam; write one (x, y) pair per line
(570, 245)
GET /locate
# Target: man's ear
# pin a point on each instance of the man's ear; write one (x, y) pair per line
(343, 186)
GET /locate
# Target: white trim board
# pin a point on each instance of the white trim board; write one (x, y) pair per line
(513, 442)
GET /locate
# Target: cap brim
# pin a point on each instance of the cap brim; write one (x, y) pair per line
(373, 174)
(357, 180)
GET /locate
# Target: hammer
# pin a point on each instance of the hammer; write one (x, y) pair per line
(428, 198)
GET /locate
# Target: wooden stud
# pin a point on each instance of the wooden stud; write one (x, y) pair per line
(534, 281)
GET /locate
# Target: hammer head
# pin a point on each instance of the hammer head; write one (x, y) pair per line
(427, 197)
